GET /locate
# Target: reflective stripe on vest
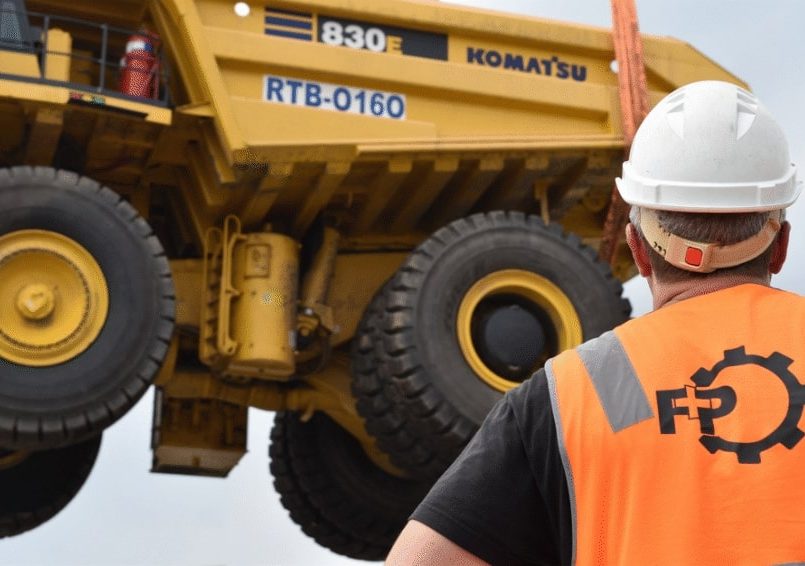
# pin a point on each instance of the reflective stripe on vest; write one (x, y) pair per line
(681, 433)
(615, 381)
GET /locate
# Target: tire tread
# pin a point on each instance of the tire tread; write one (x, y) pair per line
(413, 421)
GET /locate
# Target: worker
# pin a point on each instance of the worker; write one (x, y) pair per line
(677, 438)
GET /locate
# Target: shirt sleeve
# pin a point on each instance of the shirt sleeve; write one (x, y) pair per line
(489, 502)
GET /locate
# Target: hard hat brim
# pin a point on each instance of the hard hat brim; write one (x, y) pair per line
(640, 190)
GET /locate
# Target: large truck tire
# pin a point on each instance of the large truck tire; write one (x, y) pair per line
(385, 412)
(475, 310)
(380, 411)
(86, 307)
(334, 492)
(35, 486)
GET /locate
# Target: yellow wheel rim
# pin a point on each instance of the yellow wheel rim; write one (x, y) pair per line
(53, 298)
(531, 287)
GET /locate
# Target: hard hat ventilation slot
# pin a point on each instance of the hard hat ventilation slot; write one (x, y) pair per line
(748, 98)
(675, 97)
(746, 114)
(676, 117)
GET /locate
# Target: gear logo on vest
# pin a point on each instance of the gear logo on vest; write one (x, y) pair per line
(707, 404)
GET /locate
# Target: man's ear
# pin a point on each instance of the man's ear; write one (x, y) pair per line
(639, 251)
(780, 249)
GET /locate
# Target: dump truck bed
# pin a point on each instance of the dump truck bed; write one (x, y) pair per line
(471, 78)
(401, 115)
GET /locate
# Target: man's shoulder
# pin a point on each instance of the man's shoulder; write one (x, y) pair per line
(532, 391)
(530, 407)
(594, 348)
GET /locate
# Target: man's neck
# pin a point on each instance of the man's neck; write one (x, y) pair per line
(665, 293)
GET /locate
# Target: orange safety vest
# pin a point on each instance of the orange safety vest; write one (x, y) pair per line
(681, 433)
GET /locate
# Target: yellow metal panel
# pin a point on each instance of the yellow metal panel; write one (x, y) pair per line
(309, 127)
(382, 190)
(327, 183)
(59, 45)
(407, 72)
(59, 95)
(189, 201)
(258, 206)
(460, 198)
(189, 292)
(505, 77)
(423, 196)
(356, 279)
(523, 176)
(464, 23)
(44, 136)
(201, 166)
(438, 16)
(496, 144)
(179, 22)
(198, 436)
(20, 64)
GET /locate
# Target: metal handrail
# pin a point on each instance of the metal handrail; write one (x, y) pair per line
(39, 47)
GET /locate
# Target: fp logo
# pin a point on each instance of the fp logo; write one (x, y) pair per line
(702, 403)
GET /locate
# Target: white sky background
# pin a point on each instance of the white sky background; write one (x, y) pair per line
(127, 516)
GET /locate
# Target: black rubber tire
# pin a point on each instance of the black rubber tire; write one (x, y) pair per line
(35, 490)
(334, 492)
(428, 402)
(45, 407)
(383, 412)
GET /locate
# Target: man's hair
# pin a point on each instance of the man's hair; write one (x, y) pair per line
(707, 228)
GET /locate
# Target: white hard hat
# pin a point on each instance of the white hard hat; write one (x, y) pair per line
(709, 146)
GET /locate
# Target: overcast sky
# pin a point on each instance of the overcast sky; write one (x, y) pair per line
(127, 516)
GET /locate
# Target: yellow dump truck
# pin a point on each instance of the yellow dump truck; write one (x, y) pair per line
(373, 217)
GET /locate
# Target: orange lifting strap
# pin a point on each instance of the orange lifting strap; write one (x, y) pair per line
(634, 107)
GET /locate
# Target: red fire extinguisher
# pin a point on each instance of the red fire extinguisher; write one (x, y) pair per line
(139, 75)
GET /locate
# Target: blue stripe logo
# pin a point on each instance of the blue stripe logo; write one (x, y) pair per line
(287, 24)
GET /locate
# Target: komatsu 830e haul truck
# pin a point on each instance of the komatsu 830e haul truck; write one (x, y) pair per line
(372, 217)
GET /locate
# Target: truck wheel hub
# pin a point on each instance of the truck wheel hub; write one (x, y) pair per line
(510, 322)
(53, 298)
(35, 301)
(509, 337)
